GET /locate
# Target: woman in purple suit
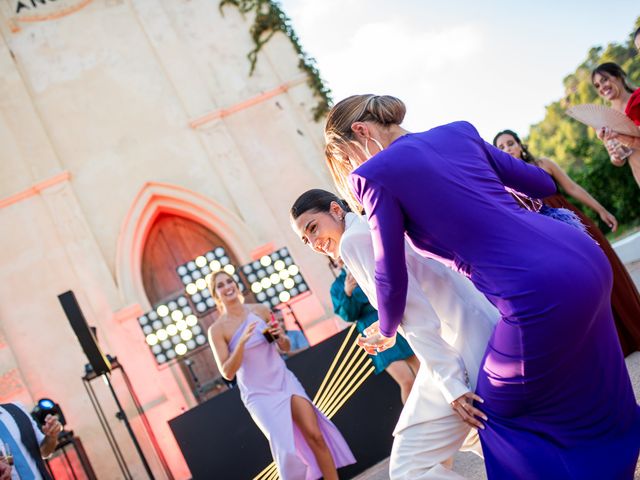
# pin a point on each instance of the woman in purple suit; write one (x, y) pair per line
(555, 387)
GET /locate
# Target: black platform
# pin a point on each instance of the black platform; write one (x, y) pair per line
(219, 439)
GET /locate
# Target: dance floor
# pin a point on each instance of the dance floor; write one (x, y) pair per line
(470, 466)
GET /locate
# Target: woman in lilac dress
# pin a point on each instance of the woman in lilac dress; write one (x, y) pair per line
(554, 410)
(304, 444)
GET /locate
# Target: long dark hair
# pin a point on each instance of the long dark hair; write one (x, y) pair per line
(316, 200)
(611, 69)
(527, 156)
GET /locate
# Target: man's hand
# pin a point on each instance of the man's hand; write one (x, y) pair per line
(52, 426)
(5, 470)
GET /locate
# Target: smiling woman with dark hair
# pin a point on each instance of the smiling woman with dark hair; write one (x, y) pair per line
(610, 81)
(447, 323)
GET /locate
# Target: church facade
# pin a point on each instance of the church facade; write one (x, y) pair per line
(134, 140)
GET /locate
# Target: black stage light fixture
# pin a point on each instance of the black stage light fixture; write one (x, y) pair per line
(275, 278)
(172, 329)
(195, 275)
(44, 407)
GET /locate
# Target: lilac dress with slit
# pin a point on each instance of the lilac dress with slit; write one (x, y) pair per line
(266, 387)
(555, 385)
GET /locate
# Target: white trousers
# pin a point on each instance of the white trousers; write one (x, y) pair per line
(425, 450)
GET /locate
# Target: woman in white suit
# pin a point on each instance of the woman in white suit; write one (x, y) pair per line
(447, 322)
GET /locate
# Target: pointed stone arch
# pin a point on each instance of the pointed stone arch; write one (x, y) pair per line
(154, 199)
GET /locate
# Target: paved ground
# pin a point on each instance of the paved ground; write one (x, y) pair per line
(471, 467)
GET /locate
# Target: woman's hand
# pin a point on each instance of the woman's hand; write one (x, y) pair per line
(626, 140)
(374, 342)
(248, 331)
(276, 330)
(350, 284)
(463, 406)
(372, 329)
(606, 135)
(609, 219)
(614, 141)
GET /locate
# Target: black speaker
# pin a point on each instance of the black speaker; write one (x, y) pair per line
(87, 340)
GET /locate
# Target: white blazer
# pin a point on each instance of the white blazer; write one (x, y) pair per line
(446, 321)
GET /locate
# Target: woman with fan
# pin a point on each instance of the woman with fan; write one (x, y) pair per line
(610, 81)
(625, 299)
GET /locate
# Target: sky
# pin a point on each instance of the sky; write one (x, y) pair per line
(494, 63)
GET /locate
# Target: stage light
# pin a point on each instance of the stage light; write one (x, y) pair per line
(195, 274)
(284, 274)
(44, 407)
(265, 261)
(171, 329)
(284, 297)
(275, 278)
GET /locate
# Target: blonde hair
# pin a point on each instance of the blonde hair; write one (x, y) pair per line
(384, 110)
(211, 282)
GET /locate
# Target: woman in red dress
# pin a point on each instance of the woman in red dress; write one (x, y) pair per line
(610, 81)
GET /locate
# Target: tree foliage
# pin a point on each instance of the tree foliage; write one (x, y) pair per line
(575, 146)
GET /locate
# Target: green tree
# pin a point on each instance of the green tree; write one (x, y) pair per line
(577, 149)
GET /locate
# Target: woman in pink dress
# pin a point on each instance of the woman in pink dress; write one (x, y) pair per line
(304, 443)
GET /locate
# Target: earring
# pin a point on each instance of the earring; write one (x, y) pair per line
(366, 145)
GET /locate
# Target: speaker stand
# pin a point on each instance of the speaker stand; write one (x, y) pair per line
(87, 379)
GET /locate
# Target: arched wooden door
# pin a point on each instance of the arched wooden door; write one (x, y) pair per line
(172, 241)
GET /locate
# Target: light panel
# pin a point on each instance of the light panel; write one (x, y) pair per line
(171, 330)
(275, 278)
